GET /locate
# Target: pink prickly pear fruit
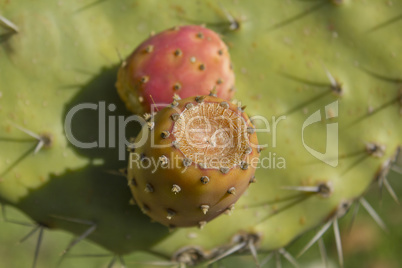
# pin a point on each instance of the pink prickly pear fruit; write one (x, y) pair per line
(192, 161)
(187, 61)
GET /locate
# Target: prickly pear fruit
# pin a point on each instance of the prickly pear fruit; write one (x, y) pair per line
(187, 61)
(192, 161)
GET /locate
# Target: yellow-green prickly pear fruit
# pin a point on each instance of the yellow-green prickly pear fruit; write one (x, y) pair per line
(193, 160)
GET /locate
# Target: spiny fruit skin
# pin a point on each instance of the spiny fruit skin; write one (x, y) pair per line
(189, 60)
(200, 169)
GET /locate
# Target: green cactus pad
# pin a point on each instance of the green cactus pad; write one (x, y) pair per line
(316, 72)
